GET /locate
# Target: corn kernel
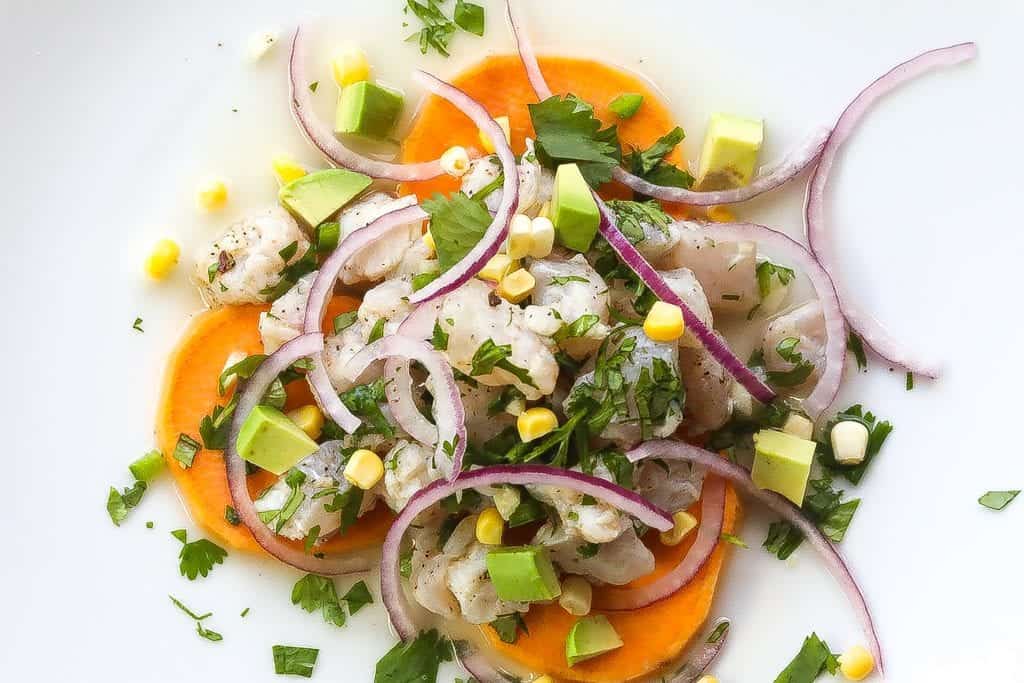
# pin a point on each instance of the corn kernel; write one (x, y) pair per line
(682, 524)
(212, 195)
(545, 209)
(455, 161)
(489, 527)
(707, 678)
(162, 259)
(520, 237)
(799, 426)
(849, 442)
(364, 469)
(542, 237)
(516, 286)
(428, 240)
(543, 679)
(485, 139)
(350, 66)
(497, 268)
(287, 170)
(720, 214)
(309, 419)
(664, 322)
(577, 594)
(535, 423)
(856, 663)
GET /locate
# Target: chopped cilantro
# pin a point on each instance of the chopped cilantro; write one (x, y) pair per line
(878, 432)
(439, 338)
(456, 224)
(630, 217)
(314, 85)
(327, 237)
(997, 500)
(186, 449)
(824, 506)
(767, 271)
(377, 332)
(588, 550)
(214, 428)
(137, 325)
(357, 597)
(469, 17)
(508, 626)
(650, 164)
(855, 346)
(344, 321)
(293, 660)
(313, 593)
(508, 395)
(490, 355)
(291, 272)
(568, 132)
(801, 369)
(209, 634)
(910, 381)
(814, 659)
(198, 557)
(734, 540)
(231, 515)
(186, 610)
(243, 369)
(118, 503)
(414, 662)
(364, 401)
(626, 105)
(577, 328)
(561, 281)
(423, 279)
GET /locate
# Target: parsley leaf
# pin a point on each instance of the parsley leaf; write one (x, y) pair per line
(456, 224)
(508, 626)
(414, 662)
(294, 660)
(198, 557)
(814, 659)
(995, 500)
(568, 132)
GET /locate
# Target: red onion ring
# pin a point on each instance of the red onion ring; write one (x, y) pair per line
(251, 392)
(321, 291)
(711, 340)
(448, 408)
(497, 231)
(417, 325)
(827, 387)
(322, 137)
(678, 450)
(709, 534)
(694, 668)
(391, 580)
(866, 326)
(792, 165)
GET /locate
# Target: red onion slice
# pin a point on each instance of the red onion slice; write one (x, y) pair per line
(320, 293)
(496, 232)
(709, 534)
(251, 392)
(827, 387)
(694, 668)
(417, 325)
(711, 340)
(679, 450)
(526, 53)
(866, 326)
(322, 137)
(518, 475)
(450, 432)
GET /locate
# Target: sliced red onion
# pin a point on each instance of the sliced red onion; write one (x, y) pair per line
(714, 464)
(866, 326)
(417, 325)
(322, 290)
(251, 392)
(322, 137)
(516, 475)
(450, 432)
(709, 534)
(827, 387)
(497, 231)
(711, 340)
(526, 53)
(695, 666)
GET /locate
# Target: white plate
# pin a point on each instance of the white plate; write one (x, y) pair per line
(113, 112)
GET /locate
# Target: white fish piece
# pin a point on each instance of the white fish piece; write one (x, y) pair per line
(339, 350)
(544, 320)
(573, 289)
(246, 260)
(684, 283)
(407, 469)
(388, 300)
(806, 323)
(597, 523)
(726, 270)
(284, 320)
(672, 485)
(469, 319)
(481, 425)
(658, 241)
(617, 562)
(709, 390)
(377, 261)
(416, 260)
(536, 183)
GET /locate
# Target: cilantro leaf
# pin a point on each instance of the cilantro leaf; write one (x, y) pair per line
(344, 321)
(855, 346)
(631, 217)
(878, 432)
(568, 132)
(198, 557)
(766, 271)
(824, 506)
(439, 338)
(814, 659)
(414, 662)
(998, 500)
(364, 401)
(508, 626)
(456, 224)
(469, 17)
(294, 660)
(357, 597)
(650, 163)
(186, 449)
(490, 355)
(137, 325)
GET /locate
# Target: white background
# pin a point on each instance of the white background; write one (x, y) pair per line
(112, 113)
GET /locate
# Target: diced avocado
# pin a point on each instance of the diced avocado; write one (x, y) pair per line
(268, 439)
(316, 196)
(626, 105)
(590, 637)
(368, 110)
(573, 209)
(782, 463)
(731, 146)
(523, 574)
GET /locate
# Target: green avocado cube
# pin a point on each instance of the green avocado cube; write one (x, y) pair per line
(782, 463)
(590, 637)
(367, 110)
(270, 440)
(729, 157)
(573, 209)
(523, 574)
(626, 105)
(316, 196)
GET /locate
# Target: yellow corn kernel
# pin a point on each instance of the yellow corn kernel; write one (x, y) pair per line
(543, 679)
(162, 259)
(520, 237)
(364, 469)
(664, 322)
(485, 139)
(707, 678)
(309, 419)
(682, 524)
(535, 423)
(428, 240)
(720, 214)
(287, 170)
(577, 594)
(212, 195)
(489, 527)
(455, 161)
(516, 286)
(350, 66)
(497, 268)
(542, 237)
(856, 663)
